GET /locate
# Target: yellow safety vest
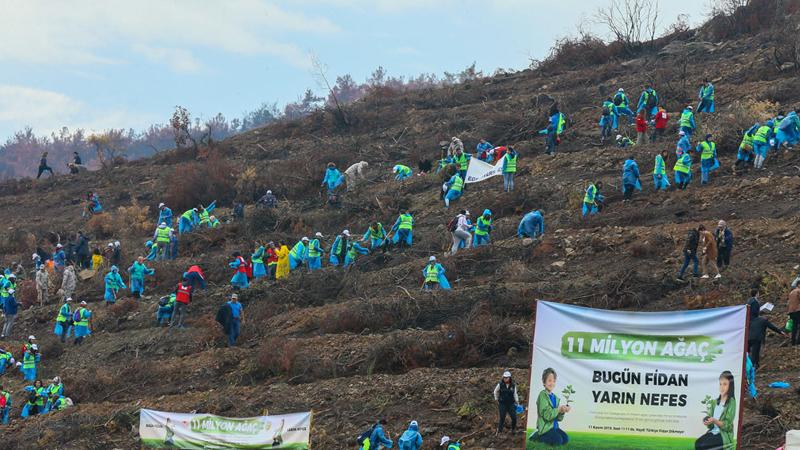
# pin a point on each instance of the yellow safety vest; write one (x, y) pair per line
(406, 222)
(686, 119)
(590, 195)
(162, 234)
(458, 184)
(681, 166)
(431, 274)
(482, 229)
(708, 150)
(761, 134)
(462, 161)
(660, 167)
(83, 314)
(511, 164)
(312, 248)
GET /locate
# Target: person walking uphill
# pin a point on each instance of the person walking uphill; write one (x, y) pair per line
(757, 333)
(82, 318)
(333, 178)
(531, 225)
(708, 252)
(113, 283)
(505, 394)
(630, 178)
(708, 158)
(64, 320)
(43, 167)
(690, 253)
(641, 129)
(410, 439)
(282, 267)
(724, 237)
(239, 279)
(687, 122)
(183, 296)
(660, 178)
(706, 96)
(231, 316)
(483, 227)
(42, 285)
(138, 271)
(403, 229)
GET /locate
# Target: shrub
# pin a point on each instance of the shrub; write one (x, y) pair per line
(276, 356)
(101, 226)
(134, 218)
(26, 293)
(201, 183)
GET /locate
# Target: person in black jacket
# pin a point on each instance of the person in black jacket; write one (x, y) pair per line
(43, 167)
(505, 393)
(690, 253)
(757, 333)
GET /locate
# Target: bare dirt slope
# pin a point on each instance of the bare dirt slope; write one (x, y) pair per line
(358, 344)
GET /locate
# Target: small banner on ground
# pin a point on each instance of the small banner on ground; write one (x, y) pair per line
(633, 380)
(202, 431)
(479, 170)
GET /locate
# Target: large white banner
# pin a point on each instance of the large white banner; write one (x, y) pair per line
(479, 170)
(635, 380)
(203, 431)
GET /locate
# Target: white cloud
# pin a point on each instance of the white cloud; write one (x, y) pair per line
(25, 105)
(89, 32)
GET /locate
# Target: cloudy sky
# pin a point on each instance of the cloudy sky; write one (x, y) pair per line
(99, 64)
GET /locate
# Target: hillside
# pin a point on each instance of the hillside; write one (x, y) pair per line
(358, 344)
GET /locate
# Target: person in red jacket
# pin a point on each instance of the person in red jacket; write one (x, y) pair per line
(641, 129)
(183, 296)
(661, 120)
(272, 260)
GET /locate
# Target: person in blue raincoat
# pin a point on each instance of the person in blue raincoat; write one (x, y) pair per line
(239, 279)
(314, 253)
(401, 172)
(630, 178)
(788, 130)
(706, 96)
(608, 120)
(5, 409)
(531, 225)
(166, 305)
(353, 252)
(684, 145)
(708, 158)
(555, 126)
(377, 438)
(54, 391)
(403, 229)
(683, 170)
(30, 361)
(761, 139)
(483, 228)
(410, 439)
(455, 188)
(745, 152)
(37, 395)
(153, 250)
(622, 106)
(257, 259)
(482, 150)
(686, 121)
(660, 178)
(648, 102)
(64, 320)
(93, 205)
(375, 235)
(188, 220)
(164, 215)
(298, 254)
(333, 178)
(82, 318)
(113, 283)
(138, 271)
(339, 248)
(433, 273)
(592, 199)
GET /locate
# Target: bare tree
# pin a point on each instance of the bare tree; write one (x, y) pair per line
(631, 22)
(181, 123)
(108, 146)
(320, 70)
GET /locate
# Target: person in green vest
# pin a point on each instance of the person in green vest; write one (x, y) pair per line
(30, 361)
(375, 235)
(339, 249)
(706, 96)
(708, 158)
(660, 178)
(315, 252)
(5, 404)
(433, 273)
(64, 320)
(166, 305)
(683, 170)
(6, 361)
(257, 259)
(401, 172)
(687, 122)
(592, 199)
(113, 283)
(720, 418)
(36, 399)
(54, 391)
(298, 254)
(213, 222)
(761, 143)
(204, 216)
(138, 271)
(509, 169)
(353, 251)
(455, 188)
(648, 102)
(550, 413)
(188, 221)
(555, 127)
(483, 226)
(447, 444)
(745, 152)
(461, 160)
(403, 229)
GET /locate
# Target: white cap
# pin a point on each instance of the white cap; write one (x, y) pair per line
(432, 258)
(116, 244)
(35, 255)
(304, 238)
(269, 192)
(506, 374)
(68, 299)
(346, 232)
(619, 136)
(681, 133)
(414, 423)
(110, 244)
(162, 225)
(690, 107)
(161, 205)
(721, 223)
(19, 364)
(59, 246)
(620, 90)
(318, 234)
(31, 338)
(11, 291)
(445, 440)
(466, 213)
(56, 380)
(83, 303)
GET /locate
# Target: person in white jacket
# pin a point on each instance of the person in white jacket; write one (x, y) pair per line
(42, 285)
(354, 172)
(461, 232)
(69, 281)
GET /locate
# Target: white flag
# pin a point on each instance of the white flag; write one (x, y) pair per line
(479, 170)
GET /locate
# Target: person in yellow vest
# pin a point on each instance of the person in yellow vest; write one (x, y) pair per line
(375, 235)
(433, 273)
(706, 96)
(213, 222)
(745, 152)
(592, 199)
(403, 229)
(708, 158)
(455, 188)
(315, 252)
(205, 216)
(509, 169)
(461, 161)
(687, 122)
(401, 172)
(683, 170)
(660, 178)
(483, 226)
(161, 239)
(83, 323)
(761, 143)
